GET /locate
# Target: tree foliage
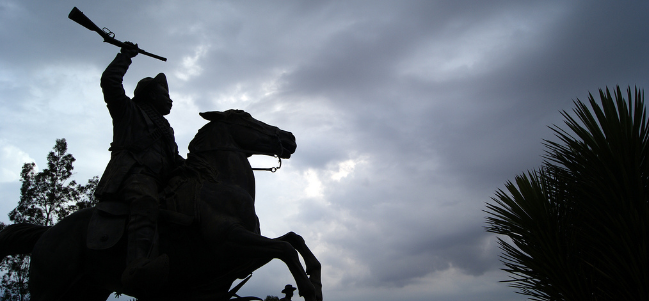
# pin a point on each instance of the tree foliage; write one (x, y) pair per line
(578, 225)
(46, 197)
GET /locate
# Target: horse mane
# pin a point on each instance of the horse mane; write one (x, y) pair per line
(197, 167)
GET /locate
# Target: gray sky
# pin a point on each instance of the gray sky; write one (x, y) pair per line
(408, 114)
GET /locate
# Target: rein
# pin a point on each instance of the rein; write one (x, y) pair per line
(271, 169)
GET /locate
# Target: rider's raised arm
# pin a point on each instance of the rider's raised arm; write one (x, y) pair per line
(111, 83)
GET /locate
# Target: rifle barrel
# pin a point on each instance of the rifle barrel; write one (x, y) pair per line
(77, 16)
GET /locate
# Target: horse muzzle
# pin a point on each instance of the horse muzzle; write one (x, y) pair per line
(288, 144)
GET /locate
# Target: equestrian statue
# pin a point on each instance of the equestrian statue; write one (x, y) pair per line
(165, 228)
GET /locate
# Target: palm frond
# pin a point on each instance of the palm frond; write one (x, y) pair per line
(579, 224)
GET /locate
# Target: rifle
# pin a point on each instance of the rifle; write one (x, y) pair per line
(109, 37)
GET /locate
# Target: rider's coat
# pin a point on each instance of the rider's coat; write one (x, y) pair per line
(138, 144)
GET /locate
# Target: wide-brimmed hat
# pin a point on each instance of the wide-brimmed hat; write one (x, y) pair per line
(288, 288)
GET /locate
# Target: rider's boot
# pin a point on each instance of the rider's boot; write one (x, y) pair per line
(143, 274)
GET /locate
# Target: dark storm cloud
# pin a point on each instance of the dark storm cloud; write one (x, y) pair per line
(482, 128)
(417, 225)
(408, 115)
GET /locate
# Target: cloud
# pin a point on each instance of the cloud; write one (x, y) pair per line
(191, 66)
(11, 161)
(408, 115)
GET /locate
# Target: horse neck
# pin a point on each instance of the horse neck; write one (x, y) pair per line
(233, 167)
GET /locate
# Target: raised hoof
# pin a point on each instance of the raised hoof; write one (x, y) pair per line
(308, 292)
(318, 289)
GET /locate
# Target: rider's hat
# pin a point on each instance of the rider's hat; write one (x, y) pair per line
(288, 288)
(146, 84)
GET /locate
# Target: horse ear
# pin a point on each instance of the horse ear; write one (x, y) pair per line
(212, 115)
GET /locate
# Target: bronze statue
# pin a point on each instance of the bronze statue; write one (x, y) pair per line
(143, 153)
(208, 227)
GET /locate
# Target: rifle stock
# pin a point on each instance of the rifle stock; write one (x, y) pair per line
(77, 16)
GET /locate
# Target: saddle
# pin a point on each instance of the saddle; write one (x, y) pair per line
(107, 225)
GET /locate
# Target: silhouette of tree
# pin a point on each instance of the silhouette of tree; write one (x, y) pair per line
(578, 225)
(271, 298)
(45, 198)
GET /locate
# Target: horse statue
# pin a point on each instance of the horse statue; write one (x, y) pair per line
(209, 228)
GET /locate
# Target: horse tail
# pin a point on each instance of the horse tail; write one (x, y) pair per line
(20, 238)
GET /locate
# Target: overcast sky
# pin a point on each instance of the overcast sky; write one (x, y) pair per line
(408, 114)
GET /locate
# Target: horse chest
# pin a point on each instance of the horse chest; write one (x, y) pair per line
(229, 204)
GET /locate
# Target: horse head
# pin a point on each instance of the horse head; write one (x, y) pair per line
(236, 130)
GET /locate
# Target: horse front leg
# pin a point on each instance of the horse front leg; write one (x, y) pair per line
(313, 266)
(255, 245)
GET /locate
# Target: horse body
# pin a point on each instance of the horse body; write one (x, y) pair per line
(64, 269)
(206, 257)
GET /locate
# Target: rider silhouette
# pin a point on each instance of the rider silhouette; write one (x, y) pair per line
(288, 291)
(143, 153)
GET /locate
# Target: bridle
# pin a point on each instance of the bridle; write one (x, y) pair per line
(279, 160)
(271, 169)
(232, 149)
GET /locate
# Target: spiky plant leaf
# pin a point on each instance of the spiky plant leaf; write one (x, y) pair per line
(578, 226)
